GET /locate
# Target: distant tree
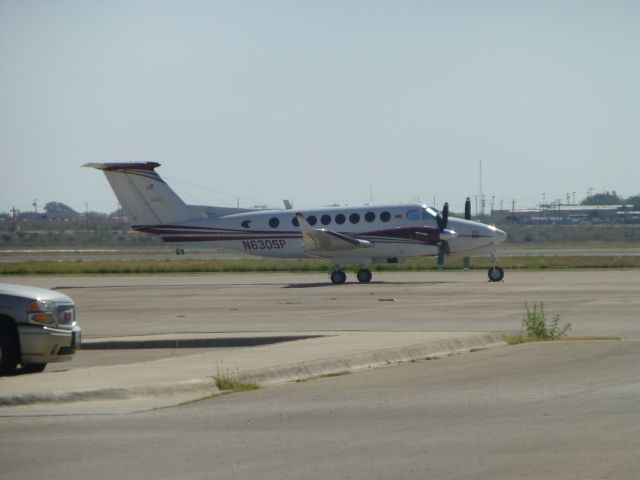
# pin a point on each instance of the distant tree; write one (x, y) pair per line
(606, 198)
(635, 201)
(57, 209)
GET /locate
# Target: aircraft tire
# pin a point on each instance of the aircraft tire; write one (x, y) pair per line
(364, 275)
(496, 274)
(338, 277)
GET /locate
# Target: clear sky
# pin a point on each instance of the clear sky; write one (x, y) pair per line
(320, 102)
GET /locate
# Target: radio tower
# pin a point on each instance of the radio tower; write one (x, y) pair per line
(481, 194)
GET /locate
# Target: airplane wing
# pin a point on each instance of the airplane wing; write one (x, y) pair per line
(321, 241)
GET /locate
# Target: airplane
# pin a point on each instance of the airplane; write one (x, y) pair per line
(360, 235)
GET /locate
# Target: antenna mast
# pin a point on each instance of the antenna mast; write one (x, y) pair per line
(481, 194)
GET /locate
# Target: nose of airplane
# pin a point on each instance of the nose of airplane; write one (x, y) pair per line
(500, 236)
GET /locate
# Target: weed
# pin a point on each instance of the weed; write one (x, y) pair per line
(536, 324)
(230, 382)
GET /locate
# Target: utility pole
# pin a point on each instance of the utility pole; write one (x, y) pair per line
(86, 214)
(574, 198)
(35, 206)
(14, 219)
(513, 206)
(481, 194)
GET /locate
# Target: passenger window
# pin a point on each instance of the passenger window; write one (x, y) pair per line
(325, 219)
(295, 222)
(340, 219)
(354, 218)
(274, 222)
(312, 219)
(413, 215)
(385, 216)
(369, 216)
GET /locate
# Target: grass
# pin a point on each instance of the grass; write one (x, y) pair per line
(80, 267)
(520, 337)
(229, 382)
(229, 385)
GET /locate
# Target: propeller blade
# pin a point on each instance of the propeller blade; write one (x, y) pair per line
(467, 209)
(445, 216)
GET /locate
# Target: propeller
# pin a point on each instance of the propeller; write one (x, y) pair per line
(443, 221)
(443, 218)
(467, 216)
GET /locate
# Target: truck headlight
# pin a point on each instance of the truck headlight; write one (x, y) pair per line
(41, 311)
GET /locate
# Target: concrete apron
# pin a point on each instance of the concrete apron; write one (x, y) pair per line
(172, 381)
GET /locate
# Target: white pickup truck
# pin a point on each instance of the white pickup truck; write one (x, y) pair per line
(37, 326)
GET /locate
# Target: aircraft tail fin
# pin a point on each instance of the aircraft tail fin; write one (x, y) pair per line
(145, 198)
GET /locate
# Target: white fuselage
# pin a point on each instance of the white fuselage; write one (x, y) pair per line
(395, 232)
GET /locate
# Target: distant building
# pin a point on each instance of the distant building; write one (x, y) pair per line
(569, 214)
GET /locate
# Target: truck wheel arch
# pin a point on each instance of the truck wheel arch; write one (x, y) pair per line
(9, 346)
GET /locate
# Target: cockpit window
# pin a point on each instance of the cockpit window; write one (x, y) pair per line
(428, 213)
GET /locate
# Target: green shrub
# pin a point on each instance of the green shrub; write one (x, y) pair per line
(535, 323)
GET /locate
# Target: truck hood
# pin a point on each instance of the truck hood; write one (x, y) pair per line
(25, 291)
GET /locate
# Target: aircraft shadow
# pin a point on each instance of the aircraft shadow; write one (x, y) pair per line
(329, 284)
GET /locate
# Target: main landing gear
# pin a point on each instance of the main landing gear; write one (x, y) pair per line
(338, 276)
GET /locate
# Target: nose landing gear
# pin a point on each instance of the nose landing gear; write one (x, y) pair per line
(496, 274)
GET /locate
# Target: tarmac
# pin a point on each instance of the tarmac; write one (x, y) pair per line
(277, 328)
(171, 381)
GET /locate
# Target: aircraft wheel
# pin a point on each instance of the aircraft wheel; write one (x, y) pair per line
(338, 277)
(496, 274)
(364, 275)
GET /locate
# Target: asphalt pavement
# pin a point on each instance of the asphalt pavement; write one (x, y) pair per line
(154, 341)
